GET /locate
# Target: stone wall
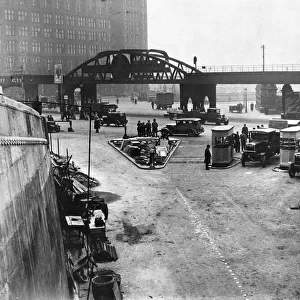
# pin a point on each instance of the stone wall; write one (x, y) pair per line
(32, 262)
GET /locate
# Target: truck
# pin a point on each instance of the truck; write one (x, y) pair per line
(212, 115)
(101, 108)
(164, 100)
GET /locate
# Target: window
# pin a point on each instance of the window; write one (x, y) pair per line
(48, 48)
(91, 22)
(23, 46)
(35, 17)
(10, 62)
(23, 31)
(92, 36)
(48, 32)
(49, 64)
(59, 48)
(92, 50)
(34, 2)
(81, 21)
(82, 49)
(21, 2)
(47, 18)
(36, 47)
(22, 15)
(71, 34)
(9, 14)
(70, 20)
(68, 6)
(81, 35)
(59, 20)
(47, 3)
(9, 30)
(71, 49)
(37, 60)
(59, 34)
(36, 31)
(79, 8)
(102, 37)
(10, 46)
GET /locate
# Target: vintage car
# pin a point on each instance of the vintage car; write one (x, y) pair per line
(212, 115)
(190, 126)
(263, 144)
(117, 118)
(295, 165)
(236, 108)
(52, 126)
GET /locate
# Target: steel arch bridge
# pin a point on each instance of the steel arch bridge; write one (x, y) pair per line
(131, 66)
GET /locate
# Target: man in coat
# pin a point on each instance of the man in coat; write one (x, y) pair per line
(207, 157)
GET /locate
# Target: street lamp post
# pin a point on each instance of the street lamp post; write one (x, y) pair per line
(245, 98)
(263, 47)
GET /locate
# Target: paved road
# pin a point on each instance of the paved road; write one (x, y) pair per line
(186, 233)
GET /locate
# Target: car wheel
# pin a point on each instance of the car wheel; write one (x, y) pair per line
(190, 133)
(292, 171)
(226, 122)
(263, 161)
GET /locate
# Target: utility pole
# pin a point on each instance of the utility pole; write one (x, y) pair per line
(263, 47)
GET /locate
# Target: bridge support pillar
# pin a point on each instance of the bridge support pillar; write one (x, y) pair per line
(31, 91)
(88, 93)
(286, 89)
(197, 92)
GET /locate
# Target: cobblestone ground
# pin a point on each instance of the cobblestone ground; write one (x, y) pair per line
(186, 233)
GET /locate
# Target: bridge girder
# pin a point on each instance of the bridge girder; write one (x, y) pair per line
(131, 66)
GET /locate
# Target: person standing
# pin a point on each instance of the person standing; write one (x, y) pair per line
(251, 106)
(245, 131)
(243, 141)
(148, 128)
(154, 127)
(237, 142)
(138, 127)
(97, 123)
(207, 157)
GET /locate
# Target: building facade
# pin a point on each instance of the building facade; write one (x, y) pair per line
(37, 34)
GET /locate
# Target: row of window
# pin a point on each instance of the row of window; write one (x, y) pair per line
(60, 34)
(62, 5)
(48, 18)
(36, 62)
(50, 48)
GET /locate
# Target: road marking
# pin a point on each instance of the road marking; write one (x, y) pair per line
(204, 231)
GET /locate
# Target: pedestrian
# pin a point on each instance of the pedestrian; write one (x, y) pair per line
(138, 127)
(143, 129)
(251, 106)
(207, 157)
(245, 130)
(237, 142)
(243, 140)
(154, 127)
(148, 128)
(97, 123)
(117, 100)
(152, 104)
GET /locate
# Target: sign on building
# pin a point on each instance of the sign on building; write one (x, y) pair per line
(58, 77)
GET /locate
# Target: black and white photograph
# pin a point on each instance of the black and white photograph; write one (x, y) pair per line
(149, 149)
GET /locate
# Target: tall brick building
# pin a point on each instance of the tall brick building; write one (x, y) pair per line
(37, 34)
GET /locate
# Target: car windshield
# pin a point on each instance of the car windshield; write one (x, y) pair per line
(259, 136)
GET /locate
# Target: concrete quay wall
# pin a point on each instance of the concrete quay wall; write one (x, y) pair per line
(32, 261)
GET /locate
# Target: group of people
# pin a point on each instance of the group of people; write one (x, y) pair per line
(148, 128)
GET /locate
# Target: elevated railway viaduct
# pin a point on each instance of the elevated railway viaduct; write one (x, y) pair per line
(140, 66)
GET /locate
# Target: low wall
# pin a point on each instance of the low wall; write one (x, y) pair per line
(32, 262)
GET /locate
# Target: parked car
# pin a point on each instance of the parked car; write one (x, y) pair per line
(236, 108)
(295, 165)
(212, 115)
(117, 118)
(190, 126)
(52, 126)
(264, 143)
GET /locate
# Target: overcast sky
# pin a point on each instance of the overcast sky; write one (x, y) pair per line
(226, 32)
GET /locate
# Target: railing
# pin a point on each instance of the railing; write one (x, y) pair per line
(249, 68)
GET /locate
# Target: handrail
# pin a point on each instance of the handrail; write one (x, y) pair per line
(249, 68)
